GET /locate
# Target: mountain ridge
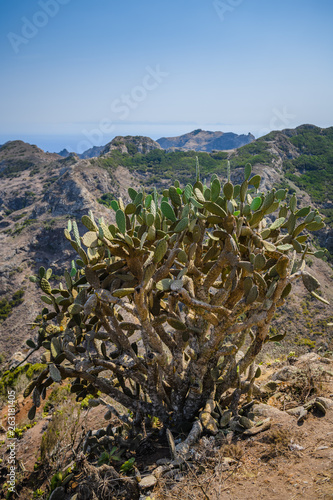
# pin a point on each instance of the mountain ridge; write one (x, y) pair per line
(197, 140)
(205, 140)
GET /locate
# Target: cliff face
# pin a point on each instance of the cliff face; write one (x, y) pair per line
(203, 140)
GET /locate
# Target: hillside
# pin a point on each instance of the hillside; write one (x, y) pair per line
(39, 192)
(204, 140)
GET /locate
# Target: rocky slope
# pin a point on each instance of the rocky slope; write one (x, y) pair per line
(40, 191)
(204, 140)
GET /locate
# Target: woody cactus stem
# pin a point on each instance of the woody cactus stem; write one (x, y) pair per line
(157, 306)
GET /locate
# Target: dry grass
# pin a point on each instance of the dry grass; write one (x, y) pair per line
(278, 441)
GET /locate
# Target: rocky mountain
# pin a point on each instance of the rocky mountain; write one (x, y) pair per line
(92, 152)
(40, 192)
(131, 145)
(204, 140)
(64, 153)
(198, 140)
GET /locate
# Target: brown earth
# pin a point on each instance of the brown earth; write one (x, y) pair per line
(288, 461)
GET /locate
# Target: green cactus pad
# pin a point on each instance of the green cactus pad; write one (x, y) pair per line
(174, 196)
(182, 225)
(160, 251)
(293, 203)
(215, 189)
(286, 291)
(122, 292)
(243, 191)
(255, 181)
(252, 295)
(256, 204)
(121, 221)
(259, 262)
(309, 281)
(45, 286)
(215, 209)
(54, 373)
(247, 171)
(90, 239)
(315, 226)
(86, 221)
(200, 197)
(168, 211)
(164, 284)
(281, 194)
(176, 324)
(302, 212)
(277, 223)
(130, 209)
(132, 193)
(228, 190)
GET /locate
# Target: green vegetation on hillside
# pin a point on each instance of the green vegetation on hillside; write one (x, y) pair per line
(14, 167)
(12, 379)
(253, 153)
(6, 306)
(161, 165)
(313, 169)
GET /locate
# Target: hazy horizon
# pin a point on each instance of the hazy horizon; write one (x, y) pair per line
(56, 143)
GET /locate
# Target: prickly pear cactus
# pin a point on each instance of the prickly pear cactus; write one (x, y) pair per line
(157, 305)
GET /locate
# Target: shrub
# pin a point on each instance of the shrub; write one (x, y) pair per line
(6, 306)
(156, 308)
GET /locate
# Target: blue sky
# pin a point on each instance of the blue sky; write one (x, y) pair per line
(76, 72)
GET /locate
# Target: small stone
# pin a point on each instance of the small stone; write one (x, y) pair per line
(246, 422)
(235, 426)
(265, 424)
(58, 493)
(177, 463)
(295, 412)
(225, 419)
(295, 447)
(162, 469)
(264, 410)
(163, 461)
(286, 373)
(147, 482)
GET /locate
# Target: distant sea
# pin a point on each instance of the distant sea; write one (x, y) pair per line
(92, 135)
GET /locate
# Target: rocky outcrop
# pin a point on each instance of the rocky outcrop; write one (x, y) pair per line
(131, 145)
(203, 140)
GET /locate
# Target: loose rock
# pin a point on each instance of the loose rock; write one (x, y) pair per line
(256, 430)
(147, 482)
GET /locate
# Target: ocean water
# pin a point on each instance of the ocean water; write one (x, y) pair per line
(93, 135)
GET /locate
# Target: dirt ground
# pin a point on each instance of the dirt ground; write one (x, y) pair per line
(288, 461)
